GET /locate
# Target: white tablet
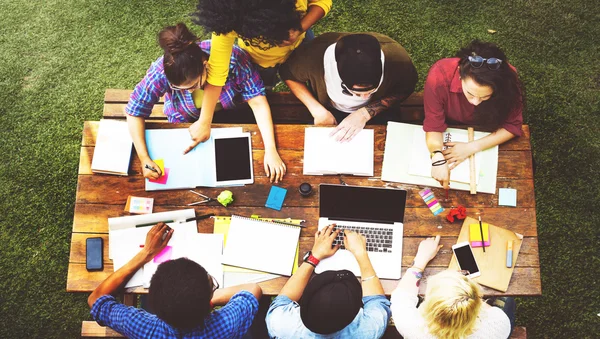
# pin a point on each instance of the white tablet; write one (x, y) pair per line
(233, 160)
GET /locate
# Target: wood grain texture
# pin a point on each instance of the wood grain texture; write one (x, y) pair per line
(91, 329)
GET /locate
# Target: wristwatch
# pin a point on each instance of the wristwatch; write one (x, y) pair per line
(309, 258)
(433, 153)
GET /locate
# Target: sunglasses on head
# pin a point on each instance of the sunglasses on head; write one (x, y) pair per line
(352, 92)
(492, 63)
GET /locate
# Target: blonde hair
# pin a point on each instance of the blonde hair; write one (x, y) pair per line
(452, 303)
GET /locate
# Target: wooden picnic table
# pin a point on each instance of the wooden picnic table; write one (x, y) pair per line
(102, 196)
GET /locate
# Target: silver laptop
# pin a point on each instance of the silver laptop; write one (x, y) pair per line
(376, 213)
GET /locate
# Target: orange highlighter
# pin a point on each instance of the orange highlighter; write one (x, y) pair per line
(509, 253)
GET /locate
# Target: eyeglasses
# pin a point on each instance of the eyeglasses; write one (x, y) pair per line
(492, 63)
(193, 87)
(351, 92)
(215, 283)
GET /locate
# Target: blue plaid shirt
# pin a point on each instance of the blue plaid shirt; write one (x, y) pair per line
(230, 321)
(179, 106)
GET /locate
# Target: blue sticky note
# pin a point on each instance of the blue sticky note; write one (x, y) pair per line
(276, 197)
(507, 197)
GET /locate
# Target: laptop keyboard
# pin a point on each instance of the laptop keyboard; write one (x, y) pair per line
(378, 239)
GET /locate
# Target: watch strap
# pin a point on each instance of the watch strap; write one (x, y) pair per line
(312, 260)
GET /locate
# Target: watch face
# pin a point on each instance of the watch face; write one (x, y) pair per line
(306, 256)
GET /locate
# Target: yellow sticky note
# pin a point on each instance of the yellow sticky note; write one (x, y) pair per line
(475, 234)
(161, 165)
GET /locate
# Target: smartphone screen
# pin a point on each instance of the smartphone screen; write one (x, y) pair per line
(465, 258)
(93, 254)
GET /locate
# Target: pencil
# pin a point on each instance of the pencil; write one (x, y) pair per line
(151, 168)
(481, 230)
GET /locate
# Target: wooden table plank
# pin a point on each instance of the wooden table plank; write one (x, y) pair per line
(92, 218)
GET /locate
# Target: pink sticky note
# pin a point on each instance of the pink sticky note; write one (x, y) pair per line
(164, 255)
(163, 179)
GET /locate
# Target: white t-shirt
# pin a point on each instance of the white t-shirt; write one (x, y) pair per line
(491, 323)
(333, 83)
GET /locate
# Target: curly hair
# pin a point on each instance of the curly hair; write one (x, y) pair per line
(182, 56)
(507, 88)
(260, 23)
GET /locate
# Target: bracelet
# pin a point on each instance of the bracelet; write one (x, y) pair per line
(417, 274)
(433, 153)
(439, 162)
(368, 278)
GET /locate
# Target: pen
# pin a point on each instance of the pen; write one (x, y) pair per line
(481, 230)
(151, 168)
(205, 216)
(154, 223)
(509, 253)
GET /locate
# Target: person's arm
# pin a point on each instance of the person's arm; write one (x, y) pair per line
(316, 11)
(200, 130)
(457, 152)
(441, 173)
(321, 115)
(322, 249)
(427, 250)
(137, 127)
(222, 295)
(274, 166)
(156, 240)
(357, 245)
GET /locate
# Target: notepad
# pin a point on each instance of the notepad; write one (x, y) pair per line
(475, 234)
(324, 155)
(261, 245)
(112, 153)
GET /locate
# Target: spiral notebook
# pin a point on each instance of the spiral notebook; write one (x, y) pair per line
(261, 245)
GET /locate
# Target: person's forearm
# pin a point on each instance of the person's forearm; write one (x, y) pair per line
(137, 128)
(314, 14)
(209, 102)
(434, 140)
(498, 137)
(410, 280)
(294, 287)
(372, 285)
(383, 104)
(262, 114)
(304, 95)
(222, 295)
(119, 278)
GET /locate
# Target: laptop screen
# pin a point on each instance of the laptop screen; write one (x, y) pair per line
(361, 203)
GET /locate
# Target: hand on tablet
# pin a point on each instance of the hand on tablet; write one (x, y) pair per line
(274, 167)
(199, 133)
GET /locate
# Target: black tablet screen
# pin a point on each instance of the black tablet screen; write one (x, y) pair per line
(232, 159)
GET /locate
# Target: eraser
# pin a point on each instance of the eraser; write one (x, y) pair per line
(276, 197)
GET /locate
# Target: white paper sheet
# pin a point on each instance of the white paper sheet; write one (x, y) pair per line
(112, 153)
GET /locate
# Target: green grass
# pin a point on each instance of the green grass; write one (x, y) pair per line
(57, 57)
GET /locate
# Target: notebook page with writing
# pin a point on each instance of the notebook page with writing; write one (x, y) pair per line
(260, 245)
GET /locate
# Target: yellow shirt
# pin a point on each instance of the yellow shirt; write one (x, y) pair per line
(221, 46)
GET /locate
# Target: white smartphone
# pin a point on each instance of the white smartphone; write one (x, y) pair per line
(466, 259)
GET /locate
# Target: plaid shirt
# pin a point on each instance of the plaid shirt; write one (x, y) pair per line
(179, 106)
(230, 321)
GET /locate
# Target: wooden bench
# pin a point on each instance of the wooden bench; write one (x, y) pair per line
(286, 108)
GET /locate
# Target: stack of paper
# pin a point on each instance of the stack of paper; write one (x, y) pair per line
(112, 153)
(324, 155)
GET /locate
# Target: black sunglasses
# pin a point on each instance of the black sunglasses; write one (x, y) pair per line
(492, 63)
(346, 90)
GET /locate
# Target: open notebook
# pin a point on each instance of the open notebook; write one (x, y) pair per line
(324, 155)
(261, 245)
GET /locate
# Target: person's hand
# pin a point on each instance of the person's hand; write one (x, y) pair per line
(355, 242)
(323, 117)
(157, 238)
(323, 243)
(199, 132)
(294, 35)
(274, 167)
(428, 249)
(457, 152)
(351, 125)
(440, 173)
(148, 173)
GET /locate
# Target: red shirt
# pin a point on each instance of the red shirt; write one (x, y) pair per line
(445, 101)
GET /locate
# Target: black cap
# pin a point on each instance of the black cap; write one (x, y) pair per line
(331, 301)
(358, 58)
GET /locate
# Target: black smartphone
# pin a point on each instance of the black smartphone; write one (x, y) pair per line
(94, 248)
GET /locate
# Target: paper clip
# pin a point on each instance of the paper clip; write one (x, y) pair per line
(206, 199)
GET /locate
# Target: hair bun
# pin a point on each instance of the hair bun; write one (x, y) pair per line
(176, 39)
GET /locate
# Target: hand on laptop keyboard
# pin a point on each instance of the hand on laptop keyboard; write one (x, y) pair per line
(377, 239)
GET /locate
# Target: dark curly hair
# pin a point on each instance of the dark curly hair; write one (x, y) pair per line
(180, 294)
(182, 56)
(507, 88)
(257, 22)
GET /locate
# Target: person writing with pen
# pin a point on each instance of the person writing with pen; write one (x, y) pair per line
(180, 75)
(181, 297)
(477, 87)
